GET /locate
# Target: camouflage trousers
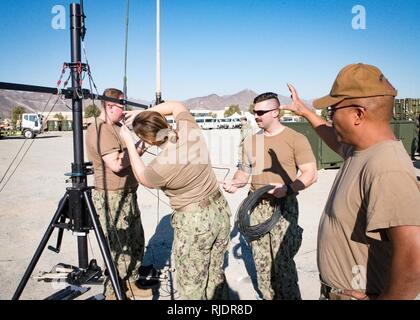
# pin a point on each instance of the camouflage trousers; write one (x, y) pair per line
(273, 253)
(120, 219)
(201, 239)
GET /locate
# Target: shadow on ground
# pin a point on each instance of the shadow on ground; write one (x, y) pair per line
(158, 253)
(243, 251)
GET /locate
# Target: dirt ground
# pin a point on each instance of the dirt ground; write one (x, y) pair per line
(31, 196)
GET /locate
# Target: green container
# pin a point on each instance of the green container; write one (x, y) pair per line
(416, 107)
(66, 125)
(52, 125)
(407, 132)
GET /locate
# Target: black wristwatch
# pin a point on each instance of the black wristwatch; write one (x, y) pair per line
(289, 191)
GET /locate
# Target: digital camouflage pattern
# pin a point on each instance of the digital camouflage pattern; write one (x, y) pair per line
(273, 253)
(201, 239)
(120, 219)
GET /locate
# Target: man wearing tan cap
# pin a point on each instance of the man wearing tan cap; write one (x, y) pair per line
(369, 233)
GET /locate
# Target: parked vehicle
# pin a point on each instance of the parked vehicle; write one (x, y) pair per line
(171, 122)
(230, 123)
(208, 123)
(290, 119)
(29, 125)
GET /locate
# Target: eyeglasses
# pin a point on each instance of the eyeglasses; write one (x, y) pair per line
(262, 112)
(117, 105)
(331, 110)
(144, 147)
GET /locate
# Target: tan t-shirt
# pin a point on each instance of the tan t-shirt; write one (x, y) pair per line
(103, 139)
(275, 159)
(374, 190)
(183, 169)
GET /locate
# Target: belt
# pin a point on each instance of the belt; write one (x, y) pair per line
(203, 203)
(332, 293)
(128, 190)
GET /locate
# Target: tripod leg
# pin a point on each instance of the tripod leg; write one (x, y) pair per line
(106, 252)
(41, 247)
(59, 238)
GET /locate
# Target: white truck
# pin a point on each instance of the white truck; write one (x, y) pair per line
(207, 123)
(29, 125)
(230, 123)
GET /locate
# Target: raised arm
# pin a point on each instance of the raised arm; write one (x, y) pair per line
(322, 127)
(136, 161)
(167, 108)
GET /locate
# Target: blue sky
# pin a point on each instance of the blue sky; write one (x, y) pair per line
(217, 46)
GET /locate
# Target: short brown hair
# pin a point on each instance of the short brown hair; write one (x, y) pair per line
(112, 93)
(266, 96)
(149, 124)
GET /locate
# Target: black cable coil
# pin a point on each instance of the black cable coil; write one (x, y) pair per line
(242, 219)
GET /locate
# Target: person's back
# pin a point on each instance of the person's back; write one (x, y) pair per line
(183, 169)
(201, 216)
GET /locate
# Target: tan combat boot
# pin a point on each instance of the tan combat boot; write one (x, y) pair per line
(136, 293)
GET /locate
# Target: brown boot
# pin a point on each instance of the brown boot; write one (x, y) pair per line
(136, 293)
(111, 297)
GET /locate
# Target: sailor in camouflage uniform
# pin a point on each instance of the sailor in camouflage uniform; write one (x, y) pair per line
(201, 218)
(114, 196)
(274, 156)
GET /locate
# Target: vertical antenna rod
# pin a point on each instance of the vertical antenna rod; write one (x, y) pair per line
(79, 179)
(126, 47)
(158, 92)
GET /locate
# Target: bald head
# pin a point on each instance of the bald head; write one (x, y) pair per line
(379, 108)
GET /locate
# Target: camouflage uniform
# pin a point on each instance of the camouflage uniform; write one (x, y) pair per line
(120, 219)
(246, 130)
(201, 239)
(273, 253)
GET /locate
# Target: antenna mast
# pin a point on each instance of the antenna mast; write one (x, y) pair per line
(158, 91)
(126, 46)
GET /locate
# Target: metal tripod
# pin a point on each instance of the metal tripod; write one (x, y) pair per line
(76, 205)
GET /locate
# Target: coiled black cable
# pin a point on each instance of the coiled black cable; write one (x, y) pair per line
(242, 218)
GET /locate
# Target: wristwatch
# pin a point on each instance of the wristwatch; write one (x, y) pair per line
(289, 191)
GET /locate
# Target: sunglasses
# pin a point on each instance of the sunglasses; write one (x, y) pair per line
(262, 112)
(331, 110)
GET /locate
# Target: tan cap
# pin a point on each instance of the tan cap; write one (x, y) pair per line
(357, 81)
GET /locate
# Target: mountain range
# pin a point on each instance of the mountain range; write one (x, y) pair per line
(36, 102)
